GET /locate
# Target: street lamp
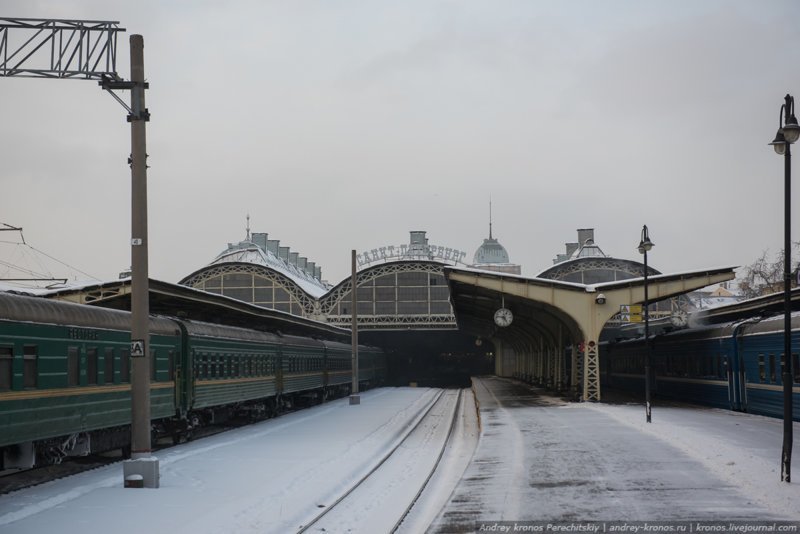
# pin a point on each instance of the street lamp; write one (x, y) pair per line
(788, 133)
(644, 246)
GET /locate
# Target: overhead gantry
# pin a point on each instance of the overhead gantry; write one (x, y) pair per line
(550, 315)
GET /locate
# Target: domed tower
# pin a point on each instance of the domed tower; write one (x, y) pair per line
(492, 256)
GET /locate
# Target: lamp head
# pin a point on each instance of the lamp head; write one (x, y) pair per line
(600, 298)
(645, 244)
(791, 130)
(779, 143)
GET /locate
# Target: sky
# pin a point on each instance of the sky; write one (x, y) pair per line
(345, 125)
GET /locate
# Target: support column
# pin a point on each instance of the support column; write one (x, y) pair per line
(591, 370)
(559, 363)
(141, 470)
(577, 357)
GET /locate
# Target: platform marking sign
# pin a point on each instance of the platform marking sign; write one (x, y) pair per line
(137, 348)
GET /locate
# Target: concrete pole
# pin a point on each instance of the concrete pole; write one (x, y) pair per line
(354, 396)
(140, 463)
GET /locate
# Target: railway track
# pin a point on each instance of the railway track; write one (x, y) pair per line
(381, 499)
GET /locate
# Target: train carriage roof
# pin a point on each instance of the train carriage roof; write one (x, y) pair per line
(180, 301)
(24, 308)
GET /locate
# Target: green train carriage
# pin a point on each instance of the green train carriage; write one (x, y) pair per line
(229, 370)
(65, 378)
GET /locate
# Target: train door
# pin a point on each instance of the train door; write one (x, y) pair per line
(278, 359)
(737, 386)
(732, 395)
(325, 376)
(184, 373)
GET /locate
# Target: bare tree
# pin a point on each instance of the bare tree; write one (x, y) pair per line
(765, 276)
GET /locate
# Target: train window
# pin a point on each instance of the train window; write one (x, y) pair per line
(783, 365)
(235, 370)
(91, 366)
(153, 361)
(108, 363)
(772, 368)
(125, 365)
(6, 367)
(73, 366)
(30, 371)
(762, 377)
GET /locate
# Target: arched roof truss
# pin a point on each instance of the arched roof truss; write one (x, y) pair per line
(394, 295)
(261, 279)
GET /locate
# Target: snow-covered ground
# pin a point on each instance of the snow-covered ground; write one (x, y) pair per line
(541, 459)
(268, 477)
(538, 458)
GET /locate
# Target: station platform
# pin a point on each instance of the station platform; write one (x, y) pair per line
(538, 458)
(541, 458)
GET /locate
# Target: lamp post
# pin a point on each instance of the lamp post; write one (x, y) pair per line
(788, 133)
(644, 246)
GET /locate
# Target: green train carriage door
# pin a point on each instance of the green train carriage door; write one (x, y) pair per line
(325, 376)
(184, 373)
(278, 358)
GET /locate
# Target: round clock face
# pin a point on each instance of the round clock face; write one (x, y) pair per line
(680, 319)
(503, 317)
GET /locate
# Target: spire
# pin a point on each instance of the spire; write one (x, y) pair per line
(490, 216)
(248, 228)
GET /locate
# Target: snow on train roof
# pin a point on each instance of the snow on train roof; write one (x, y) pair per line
(247, 252)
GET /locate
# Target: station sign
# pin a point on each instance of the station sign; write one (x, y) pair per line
(410, 252)
(630, 313)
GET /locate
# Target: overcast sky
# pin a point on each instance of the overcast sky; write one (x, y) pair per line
(341, 125)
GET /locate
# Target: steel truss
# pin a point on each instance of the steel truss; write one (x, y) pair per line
(561, 270)
(320, 309)
(55, 48)
(386, 322)
(309, 304)
(331, 299)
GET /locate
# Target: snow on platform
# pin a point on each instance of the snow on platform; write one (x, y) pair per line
(542, 459)
(263, 478)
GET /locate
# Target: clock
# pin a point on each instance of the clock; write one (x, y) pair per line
(679, 319)
(503, 317)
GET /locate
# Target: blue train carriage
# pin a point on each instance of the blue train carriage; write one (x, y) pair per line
(229, 372)
(694, 365)
(736, 365)
(65, 379)
(761, 353)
